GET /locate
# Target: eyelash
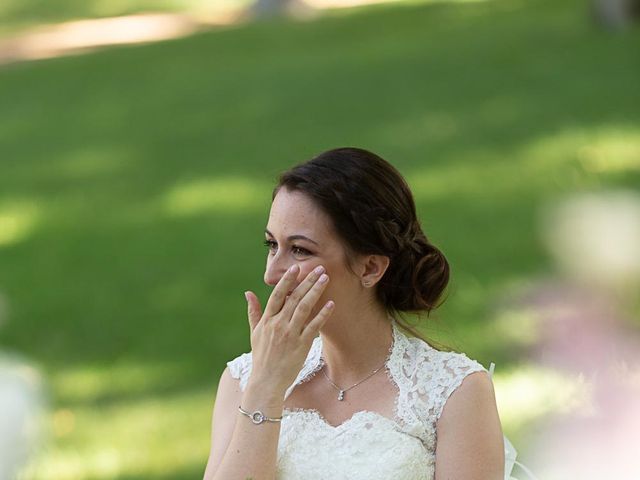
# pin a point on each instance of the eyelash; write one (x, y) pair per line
(271, 244)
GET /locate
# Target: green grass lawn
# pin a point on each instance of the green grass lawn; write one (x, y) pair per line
(135, 184)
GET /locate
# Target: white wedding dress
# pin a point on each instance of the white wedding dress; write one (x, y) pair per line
(372, 445)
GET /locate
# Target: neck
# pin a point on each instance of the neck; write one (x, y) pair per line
(354, 345)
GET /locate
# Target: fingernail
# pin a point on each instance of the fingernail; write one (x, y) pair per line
(294, 269)
(323, 278)
(246, 296)
(319, 269)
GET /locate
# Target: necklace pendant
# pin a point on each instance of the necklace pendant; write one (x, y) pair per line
(341, 395)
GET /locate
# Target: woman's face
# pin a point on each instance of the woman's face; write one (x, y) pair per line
(299, 232)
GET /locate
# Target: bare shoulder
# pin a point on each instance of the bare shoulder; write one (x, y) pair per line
(470, 442)
(475, 391)
(228, 397)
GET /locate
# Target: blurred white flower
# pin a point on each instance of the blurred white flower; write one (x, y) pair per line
(22, 409)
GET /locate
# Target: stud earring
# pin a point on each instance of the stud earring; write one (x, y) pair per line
(366, 284)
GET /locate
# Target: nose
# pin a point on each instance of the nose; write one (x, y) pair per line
(276, 268)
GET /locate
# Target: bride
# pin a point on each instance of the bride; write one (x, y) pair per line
(337, 385)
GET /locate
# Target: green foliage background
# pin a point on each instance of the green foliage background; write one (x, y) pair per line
(137, 182)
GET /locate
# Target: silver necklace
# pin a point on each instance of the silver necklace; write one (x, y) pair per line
(342, 391)
(341, 394)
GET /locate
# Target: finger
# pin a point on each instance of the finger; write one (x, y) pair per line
(279, 293)
(301, 290)
(254, 312)
(311, 330)
(304, 308)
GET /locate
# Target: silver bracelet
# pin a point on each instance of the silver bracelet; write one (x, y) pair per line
(258, 417)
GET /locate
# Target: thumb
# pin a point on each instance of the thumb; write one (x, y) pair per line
(254, 311)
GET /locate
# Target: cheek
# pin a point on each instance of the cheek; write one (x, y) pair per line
(338, 286)
(339, 277)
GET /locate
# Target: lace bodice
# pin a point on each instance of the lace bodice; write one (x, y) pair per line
(370, 445)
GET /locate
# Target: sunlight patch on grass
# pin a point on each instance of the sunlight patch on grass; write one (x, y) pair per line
(478, 173)
(88, 384)
(528, 393)
(219, 195)
(18, 219)
(612, 151)
(572, 158)
(73, 465)
(518, 326)
(589, 153)
(142, 438)
(92, 163)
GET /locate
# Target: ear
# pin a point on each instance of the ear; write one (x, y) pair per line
(372, 269)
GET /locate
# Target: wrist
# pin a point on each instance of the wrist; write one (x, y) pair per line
(266, 386)
(264, 397)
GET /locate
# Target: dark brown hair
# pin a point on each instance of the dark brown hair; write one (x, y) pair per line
(373, 211)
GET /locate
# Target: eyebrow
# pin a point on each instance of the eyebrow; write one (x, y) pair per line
(293, 237)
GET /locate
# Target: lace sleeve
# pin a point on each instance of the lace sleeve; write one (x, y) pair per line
(451, 372)
(240, 368)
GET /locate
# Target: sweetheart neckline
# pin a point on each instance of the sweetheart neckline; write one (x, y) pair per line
(344, 424)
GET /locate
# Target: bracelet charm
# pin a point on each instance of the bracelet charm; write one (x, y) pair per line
(258, 417)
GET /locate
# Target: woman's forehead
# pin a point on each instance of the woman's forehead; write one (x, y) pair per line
(294, 213)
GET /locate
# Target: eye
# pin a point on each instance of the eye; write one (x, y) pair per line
(271, 244)
(300, 251)
(297, 251)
